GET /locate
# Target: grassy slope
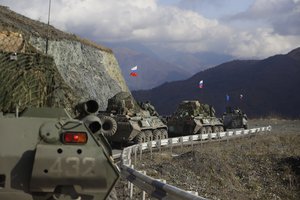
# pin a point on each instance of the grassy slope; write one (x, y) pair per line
(12, 21)
(261, 167)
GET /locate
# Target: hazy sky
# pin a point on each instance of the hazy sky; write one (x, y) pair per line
(242, 28)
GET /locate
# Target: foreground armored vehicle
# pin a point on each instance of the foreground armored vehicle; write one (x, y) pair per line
(234, 118)
(134, 124)
(46, 154)
(191, 117)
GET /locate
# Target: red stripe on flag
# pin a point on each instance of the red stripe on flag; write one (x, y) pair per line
(133, 74)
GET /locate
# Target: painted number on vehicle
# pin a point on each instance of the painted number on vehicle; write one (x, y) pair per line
(73, 167)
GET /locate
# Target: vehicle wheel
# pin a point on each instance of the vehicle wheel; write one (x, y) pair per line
(221, 129)
(148, 136)
(156, 134)
(140, 138)
(109, 125)
(245, 126)
(164, 134)
(216, 129)
(202, 130)
(208, 129)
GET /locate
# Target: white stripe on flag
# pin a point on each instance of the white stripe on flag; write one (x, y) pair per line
(134, 68)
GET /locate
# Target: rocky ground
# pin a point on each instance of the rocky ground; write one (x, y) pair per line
(265, 166)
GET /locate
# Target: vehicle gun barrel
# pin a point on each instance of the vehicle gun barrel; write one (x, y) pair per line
(87, 111)
(88, 107)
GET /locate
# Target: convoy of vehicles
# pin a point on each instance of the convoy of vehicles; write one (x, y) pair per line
(133, 122)
(46, 154)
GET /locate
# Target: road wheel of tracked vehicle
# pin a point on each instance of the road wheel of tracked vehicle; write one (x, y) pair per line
(221, 129)
(208, 129)
(216, 129)
(109, 126)
(157, 134)
(164, 134)
(202, 130)
(140, 138)
(148, 135)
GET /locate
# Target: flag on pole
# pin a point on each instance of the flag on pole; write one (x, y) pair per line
(241, 96)
(134, 71)
(201, 84)
(134, 68)
(227, 97)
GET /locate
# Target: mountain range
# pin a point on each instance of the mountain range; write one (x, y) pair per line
(270, 87)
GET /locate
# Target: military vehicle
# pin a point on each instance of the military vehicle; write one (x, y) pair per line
(46, 154)
(234, 118)
(134, 124)
(192, 117)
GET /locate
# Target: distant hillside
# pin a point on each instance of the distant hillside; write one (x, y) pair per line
(195, 62)
(158, 66)
(269, 87)
(152, 70)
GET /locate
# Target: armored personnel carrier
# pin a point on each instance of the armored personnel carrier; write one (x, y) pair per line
(234, 118)
(46, 154)
(192, 117)
(134, 124)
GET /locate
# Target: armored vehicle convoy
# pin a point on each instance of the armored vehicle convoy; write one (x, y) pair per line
(234, 118)
(134, 124)
(192, 117)
(46, 154)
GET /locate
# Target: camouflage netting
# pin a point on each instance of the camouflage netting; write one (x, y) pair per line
(123, 102)
(28, 79)
(195, 108)
(89, 69)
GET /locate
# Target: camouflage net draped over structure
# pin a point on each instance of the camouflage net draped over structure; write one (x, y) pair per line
(28, 79)
(195, 108)
(123, 103)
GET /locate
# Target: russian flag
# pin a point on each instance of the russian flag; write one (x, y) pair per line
(201, 84)
(133, 71)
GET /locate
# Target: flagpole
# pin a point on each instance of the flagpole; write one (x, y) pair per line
(47, 38)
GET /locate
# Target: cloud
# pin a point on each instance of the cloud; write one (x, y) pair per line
(260, 43)
(35, 9)
(289, 24)
(269, 8)
(171, 27)
(282, 15)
